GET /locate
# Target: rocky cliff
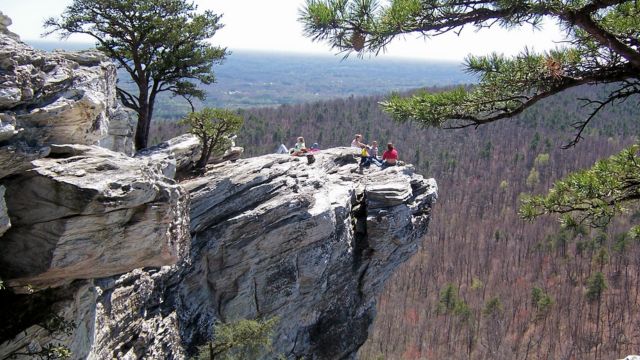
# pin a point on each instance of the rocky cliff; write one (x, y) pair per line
(144, 266)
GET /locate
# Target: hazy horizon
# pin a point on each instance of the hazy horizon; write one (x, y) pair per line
(50, 45)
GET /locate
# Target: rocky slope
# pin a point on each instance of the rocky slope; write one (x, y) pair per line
(311, 244)
(144, 266)
(274, 236)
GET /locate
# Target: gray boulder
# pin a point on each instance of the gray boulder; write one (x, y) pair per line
(311, 244)
(177, 155)
(62, 97)
(275, 236)
(87, 212)
(5, 22)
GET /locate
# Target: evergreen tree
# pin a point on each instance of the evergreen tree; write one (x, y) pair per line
(603, 46)
(213, 127)
(240, 340)
(596, 286)
(161, 44)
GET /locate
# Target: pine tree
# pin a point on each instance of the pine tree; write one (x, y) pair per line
(602, 47)
(161, 44)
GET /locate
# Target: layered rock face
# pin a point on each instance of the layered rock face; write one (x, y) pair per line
(86, 212)
(74, 212)
(275, 236)
(144, 266)
(312, 244)
(60, 98)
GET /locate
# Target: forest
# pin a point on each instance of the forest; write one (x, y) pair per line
(486, 284)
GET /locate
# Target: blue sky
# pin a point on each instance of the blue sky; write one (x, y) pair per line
(271, 25)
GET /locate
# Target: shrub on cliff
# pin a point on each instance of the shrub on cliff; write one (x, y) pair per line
(242, 339)
(213, 127)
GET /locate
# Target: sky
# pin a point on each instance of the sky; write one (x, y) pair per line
(271, 25)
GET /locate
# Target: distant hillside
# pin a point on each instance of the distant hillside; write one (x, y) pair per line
(252, 79)
(479, 257)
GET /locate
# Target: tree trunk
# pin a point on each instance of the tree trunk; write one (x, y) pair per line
(144, 117)
(204, 157)
(142, 130)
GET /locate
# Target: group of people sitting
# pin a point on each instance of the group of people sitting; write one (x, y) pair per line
(299, 149)
(369, 153)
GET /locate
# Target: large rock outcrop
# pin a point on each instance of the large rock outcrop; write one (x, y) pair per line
(61, 97)
(86, 212)
(177, 157)
(274, 236)
(143, 266)
(5, 22)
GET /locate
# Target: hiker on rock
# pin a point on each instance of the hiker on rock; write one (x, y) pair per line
(390, 157)
(299, 149)
(357, 142)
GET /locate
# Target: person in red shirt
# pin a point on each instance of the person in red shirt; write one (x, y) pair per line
(390, 157)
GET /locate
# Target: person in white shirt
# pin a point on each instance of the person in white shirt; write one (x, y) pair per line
(357, 142)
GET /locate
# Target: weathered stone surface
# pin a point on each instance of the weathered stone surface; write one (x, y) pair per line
(87, 212)
(5, 22)
(17, 157)
(232, 154)
(175, 155)
(312, 244)
(74, 303)
(61, 98)
(5, 223)
(178, 156)
(133, 321)
(7, 128)
(274, 236)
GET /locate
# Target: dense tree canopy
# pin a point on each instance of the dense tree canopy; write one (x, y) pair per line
(160, 43)
(602, 46)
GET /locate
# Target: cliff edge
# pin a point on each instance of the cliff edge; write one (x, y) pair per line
(143, 266)
(275, 236)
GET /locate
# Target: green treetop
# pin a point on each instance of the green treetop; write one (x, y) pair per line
(602, 47)
(160, 43)
(213, 127)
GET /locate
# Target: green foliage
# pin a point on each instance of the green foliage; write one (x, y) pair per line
(52, 352)
(239, 340)
(485, 153)
(541, 301)
(451, 304)
(601, 258)
(504, 185)
(213, 127)
(161, 44)
(541, 160)
(601, 46)
(535, 141)
(534, 178)
(594, 195)
(493, 307)
(476, 284)
(596, 50)
(596, 286)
